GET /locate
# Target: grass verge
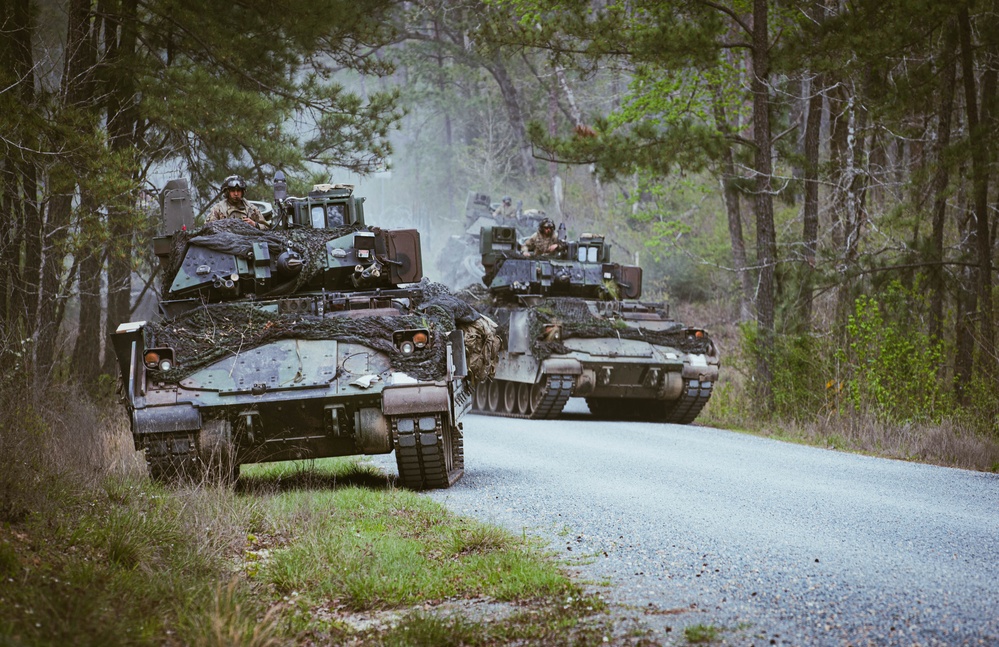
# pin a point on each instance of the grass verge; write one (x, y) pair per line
(294, 555)
(330, 552)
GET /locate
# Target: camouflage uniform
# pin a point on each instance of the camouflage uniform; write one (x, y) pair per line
(482, 346)
(538, 244)
(223, 209)
(505, 211)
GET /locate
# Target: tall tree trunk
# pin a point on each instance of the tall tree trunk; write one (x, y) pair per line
(553, 176)
(76, 115)
(766, 238)
(810, 207)
(123, 126)
(979, 122)
(86, 362)
(508, 91)
(848, 152)
(941, 179)
(966, 304)
(577, 122)
(20, 219)
(733, 212)
(448, 136)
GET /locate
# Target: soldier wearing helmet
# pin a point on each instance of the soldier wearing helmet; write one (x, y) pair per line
(506, 209)
(543, 242)
(235, 205)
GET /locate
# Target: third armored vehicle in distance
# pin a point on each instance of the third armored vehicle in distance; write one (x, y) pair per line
(572, 324)
(312, 339)
(459, 262)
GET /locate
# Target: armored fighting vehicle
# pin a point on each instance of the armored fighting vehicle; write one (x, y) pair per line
(573, 324)
(317, 337)
(459, 261)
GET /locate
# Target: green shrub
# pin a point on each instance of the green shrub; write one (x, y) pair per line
(889, 367)
(801, 367)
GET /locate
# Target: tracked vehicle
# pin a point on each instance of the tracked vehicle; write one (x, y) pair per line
(318, 337)
(573, 325)
(459, 261)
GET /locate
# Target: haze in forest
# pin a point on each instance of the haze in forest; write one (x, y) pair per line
(814, 181)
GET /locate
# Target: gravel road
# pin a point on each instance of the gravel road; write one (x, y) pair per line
(773, 543)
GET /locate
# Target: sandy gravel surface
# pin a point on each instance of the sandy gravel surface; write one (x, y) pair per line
(772, 543)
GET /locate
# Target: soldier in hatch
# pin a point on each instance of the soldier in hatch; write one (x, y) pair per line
(506, 209)
(543, 242)
(235, 206)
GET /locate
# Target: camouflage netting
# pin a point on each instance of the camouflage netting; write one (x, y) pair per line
(214, 332)
(233, 236)
(577, 320)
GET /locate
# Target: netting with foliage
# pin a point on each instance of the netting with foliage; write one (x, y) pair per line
(233, 236)
(215, 331)
(574, 317)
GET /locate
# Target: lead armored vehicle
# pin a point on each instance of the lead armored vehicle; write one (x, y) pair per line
(318, 337)
(572, 324)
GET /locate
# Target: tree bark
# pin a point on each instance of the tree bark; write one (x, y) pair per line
(941, 179)
(508, 91)
(766, 239)
(123, 126)
(20, 240)
(733, 212)
(979, 120)
(86, 351)
(810, 207)
(76, 116)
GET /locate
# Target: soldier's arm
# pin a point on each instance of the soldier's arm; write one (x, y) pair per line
(257, 217)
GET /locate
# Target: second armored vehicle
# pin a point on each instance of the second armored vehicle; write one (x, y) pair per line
(572, 324)
(315, 338)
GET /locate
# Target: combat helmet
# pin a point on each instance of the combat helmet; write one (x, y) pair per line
(233, 182)
(546, 224)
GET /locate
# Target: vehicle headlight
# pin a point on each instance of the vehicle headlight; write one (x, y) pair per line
(409, 341)
(158, 358)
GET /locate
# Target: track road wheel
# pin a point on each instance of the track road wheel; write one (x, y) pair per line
(494, 395)
(482, 396)
(510, 397)
(523, 398)
(602, 408)
(173, 458)
(537, 395)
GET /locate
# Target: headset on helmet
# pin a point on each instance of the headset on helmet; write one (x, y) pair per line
(547, 223)
(233, 182)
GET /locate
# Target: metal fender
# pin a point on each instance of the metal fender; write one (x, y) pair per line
(165, 420)
(409, 399)
(561, 366)
(696, 367)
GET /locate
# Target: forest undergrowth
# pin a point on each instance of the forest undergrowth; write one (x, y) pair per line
(879, 390)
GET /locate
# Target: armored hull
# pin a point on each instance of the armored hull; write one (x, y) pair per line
(317, 338)
(572, 325)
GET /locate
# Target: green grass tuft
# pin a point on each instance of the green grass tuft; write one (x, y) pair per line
(700, 633)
